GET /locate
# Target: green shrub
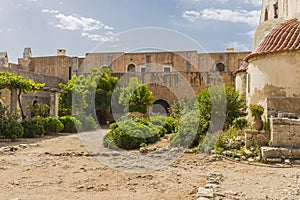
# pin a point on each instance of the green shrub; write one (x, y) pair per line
(240, 123)
(167, 122)
(52, 125)
(87, 122)
(188, 134)
(131, 131)
(71, 124)
(39, 110)
(33, 128)
(9, 125)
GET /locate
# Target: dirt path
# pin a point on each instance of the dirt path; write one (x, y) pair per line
(62, 168)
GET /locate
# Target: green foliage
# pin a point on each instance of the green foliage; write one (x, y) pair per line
(188, 134)
(87, 122)
(240, 123)
(227, 105)
(132, 131)
(65, 99)
(71, 124)
(226, 140)
(33, 128)
(9, 125)
(175, 109)
(105, 88)
(52, 125)
(220, 105)
(167, 122)
(136, 97)
(87, 93)
(256, 110)
(39, 110)
(11, 81)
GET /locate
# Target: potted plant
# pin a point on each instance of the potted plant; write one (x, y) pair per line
(256, 112)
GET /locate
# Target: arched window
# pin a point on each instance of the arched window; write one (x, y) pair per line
(131, 68)
(220, 67)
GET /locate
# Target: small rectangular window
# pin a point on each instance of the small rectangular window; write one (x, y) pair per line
(167, 69)
(143, 70)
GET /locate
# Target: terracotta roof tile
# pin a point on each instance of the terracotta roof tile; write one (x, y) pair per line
(243, 67)
(283, 37)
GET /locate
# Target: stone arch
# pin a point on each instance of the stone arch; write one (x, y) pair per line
(220, 67)
(35, 100)
(131, 67)
(160, 106)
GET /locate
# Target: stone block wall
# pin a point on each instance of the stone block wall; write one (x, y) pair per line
(256, 138)
(283, 104)
(285, 132)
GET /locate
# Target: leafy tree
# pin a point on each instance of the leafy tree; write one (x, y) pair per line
(218, 107)
(65, 99)
(11, 81)
(87, 92)
(136, 96)
(223, 103)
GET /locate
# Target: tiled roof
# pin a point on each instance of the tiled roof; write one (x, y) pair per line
(284, 37)
(243, 67)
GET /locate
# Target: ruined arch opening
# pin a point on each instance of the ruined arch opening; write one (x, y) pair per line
(220, 67)
(161, 107)
(131, 68)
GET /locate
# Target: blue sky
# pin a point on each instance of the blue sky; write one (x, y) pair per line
(79, 26)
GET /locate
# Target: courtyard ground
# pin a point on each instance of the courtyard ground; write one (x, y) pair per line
(62, 168)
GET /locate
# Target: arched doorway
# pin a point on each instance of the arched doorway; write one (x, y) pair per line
(131, 68)
(160, 107)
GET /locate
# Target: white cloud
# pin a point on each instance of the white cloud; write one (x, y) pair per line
(191, 15)
(50, 11)
(85, 25)
(238, 46)
(71, 22)
(110, 37)
(226, 15)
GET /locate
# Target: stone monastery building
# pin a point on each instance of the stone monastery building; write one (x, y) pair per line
(168, 74)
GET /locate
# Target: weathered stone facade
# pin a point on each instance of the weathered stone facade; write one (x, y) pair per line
(285, 132)
(171, 76)
(256, 138)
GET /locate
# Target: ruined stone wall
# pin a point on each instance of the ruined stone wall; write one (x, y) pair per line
(285, 132)
(256, 138)
(231, 60)
(241, 82)
(283, 104)
(175, 86)
(58, 66)
(27, 99)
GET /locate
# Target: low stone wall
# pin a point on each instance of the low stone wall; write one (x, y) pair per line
(285, 132)
(256, 138)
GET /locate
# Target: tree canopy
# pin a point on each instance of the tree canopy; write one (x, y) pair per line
(136, 97)
(11, 81)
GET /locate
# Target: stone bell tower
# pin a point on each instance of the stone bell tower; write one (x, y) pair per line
(274, 12)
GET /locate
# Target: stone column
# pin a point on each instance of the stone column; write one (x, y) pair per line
(13, 100)
(54, 103)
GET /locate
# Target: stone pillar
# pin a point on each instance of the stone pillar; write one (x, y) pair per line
(54, 103)
(13, 100)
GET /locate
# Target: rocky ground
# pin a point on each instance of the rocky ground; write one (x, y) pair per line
(62, 168)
